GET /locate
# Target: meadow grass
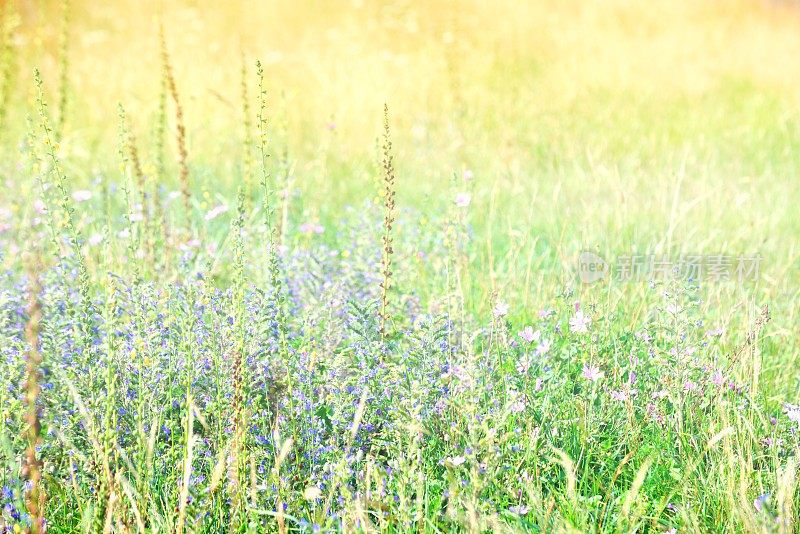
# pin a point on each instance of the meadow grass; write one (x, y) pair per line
(309, 266)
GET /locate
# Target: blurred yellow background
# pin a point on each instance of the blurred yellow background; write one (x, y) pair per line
(613, 125)
(511, 69)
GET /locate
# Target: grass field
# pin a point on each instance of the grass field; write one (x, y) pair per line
(306, 266)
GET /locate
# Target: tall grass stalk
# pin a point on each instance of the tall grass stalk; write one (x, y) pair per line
(284, 448)
(160, 134)
(387, 239)
(40, 169)
(32, 470)
(270, 225)
(129, 158)
(130, 153)
(276, 279)
(456, 240)
(247, 137)
(109, 403)
(51, 148)
(238, 368)
(284, 178)
(188, 459)
(180, 136)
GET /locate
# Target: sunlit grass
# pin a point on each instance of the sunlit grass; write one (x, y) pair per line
(226, 306)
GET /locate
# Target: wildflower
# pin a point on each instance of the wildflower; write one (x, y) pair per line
(312, 493)
(524, 365)
(39, 206)
(216, 212)
(12, 512)
(467, 175)
(620, 395)
(543, 347)
(592, 373)
(643, 335)
(690, 386)
(518, 509)
(191, 244)
(545, 313)
(792, 412)
(760, 501)
(539, 385)
(501, 309)
(654, 414)
(82, 195)
(529, 335)
(518, 405)
(95, 239)
(716, 332)
(454, 461)
(311, 228)
(580, 323)
(717, 378)
(463, 200)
